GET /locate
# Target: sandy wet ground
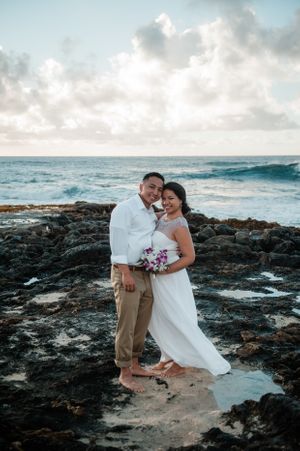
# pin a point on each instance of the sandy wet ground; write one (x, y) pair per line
(171, 412)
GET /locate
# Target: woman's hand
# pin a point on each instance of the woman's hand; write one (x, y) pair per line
(163, 273)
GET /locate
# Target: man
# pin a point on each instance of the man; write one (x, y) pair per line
(132, 224)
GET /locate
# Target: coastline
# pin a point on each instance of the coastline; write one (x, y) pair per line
(57, 315)
(250, 223)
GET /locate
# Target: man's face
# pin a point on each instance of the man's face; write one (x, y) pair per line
(151, 189)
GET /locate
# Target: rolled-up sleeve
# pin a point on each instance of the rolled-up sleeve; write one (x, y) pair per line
(119, 226)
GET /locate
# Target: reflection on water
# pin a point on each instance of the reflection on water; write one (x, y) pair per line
(238, 385)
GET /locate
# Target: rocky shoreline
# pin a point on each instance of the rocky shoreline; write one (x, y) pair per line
(58, 380)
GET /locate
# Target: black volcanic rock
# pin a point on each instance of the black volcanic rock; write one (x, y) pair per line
(58, 319)
(224, 229)
(279, 419)
(85, 253)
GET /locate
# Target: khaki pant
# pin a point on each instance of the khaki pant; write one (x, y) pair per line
(134, 313)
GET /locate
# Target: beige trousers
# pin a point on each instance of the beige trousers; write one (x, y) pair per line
(134, 313)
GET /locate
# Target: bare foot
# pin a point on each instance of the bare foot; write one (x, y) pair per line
(137, 370)
(131, 384)
(161, 365)
(173, 370)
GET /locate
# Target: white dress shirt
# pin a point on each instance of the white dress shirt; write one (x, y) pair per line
(131, 227)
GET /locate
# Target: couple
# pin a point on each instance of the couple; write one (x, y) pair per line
(172, 317)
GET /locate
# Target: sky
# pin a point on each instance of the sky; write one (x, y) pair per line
(133, 77)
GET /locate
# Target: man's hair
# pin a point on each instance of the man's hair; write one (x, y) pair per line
(153, 174)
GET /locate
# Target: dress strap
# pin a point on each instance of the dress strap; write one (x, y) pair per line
(168, 227)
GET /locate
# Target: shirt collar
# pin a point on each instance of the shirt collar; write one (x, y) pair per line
(141, 205)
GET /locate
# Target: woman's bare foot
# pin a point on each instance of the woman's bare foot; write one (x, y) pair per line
(137, 370)
(161, 365)
(131, 384)
(173, 370)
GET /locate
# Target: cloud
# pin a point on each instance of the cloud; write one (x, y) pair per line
(13, 71)
(68, 45)
(159, 40)
(286, 41)
(213, 77)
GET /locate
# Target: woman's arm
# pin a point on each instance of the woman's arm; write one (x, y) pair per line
(185, 243)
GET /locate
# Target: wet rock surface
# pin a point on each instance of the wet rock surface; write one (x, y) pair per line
(58, 379)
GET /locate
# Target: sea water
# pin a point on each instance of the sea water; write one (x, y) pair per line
(222, 187)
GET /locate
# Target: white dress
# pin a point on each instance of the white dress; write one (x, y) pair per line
(174, 324)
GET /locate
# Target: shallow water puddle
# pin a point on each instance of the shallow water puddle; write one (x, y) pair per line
(267, 275)
(296, 310)
(248, 294)
(47, 298)
(10, 221)
(239, 385)
(15, 377)
(271, 276)
(64, 339)
(31, 281)
(103, 283)
(282, 320)
(13, 311)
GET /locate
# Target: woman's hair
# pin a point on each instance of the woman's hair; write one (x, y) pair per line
(180, 193)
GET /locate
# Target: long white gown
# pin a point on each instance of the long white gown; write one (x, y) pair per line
(174, 324)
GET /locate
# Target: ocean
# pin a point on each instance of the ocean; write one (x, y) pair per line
(222, 187)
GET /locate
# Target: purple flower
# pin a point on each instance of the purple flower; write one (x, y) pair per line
(155, 260)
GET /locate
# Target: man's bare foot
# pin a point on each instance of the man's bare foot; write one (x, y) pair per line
(127, 381)
(173, 370)
(131, 384)
(161, 365)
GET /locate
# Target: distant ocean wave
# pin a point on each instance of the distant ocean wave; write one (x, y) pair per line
(259, 187)
(74, 191)
(284, 172)
(225, 163)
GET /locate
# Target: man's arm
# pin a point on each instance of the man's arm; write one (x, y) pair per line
(119, 229)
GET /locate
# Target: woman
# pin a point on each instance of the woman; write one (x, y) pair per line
(174, 324)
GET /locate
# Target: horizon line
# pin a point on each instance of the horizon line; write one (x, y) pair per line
(151, 156)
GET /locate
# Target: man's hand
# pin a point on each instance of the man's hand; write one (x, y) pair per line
(128, 281)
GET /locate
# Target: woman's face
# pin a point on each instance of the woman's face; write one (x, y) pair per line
(170, 202)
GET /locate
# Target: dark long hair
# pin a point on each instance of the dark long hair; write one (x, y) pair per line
(180, 193)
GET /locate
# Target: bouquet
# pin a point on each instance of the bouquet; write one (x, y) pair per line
(155, 260)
